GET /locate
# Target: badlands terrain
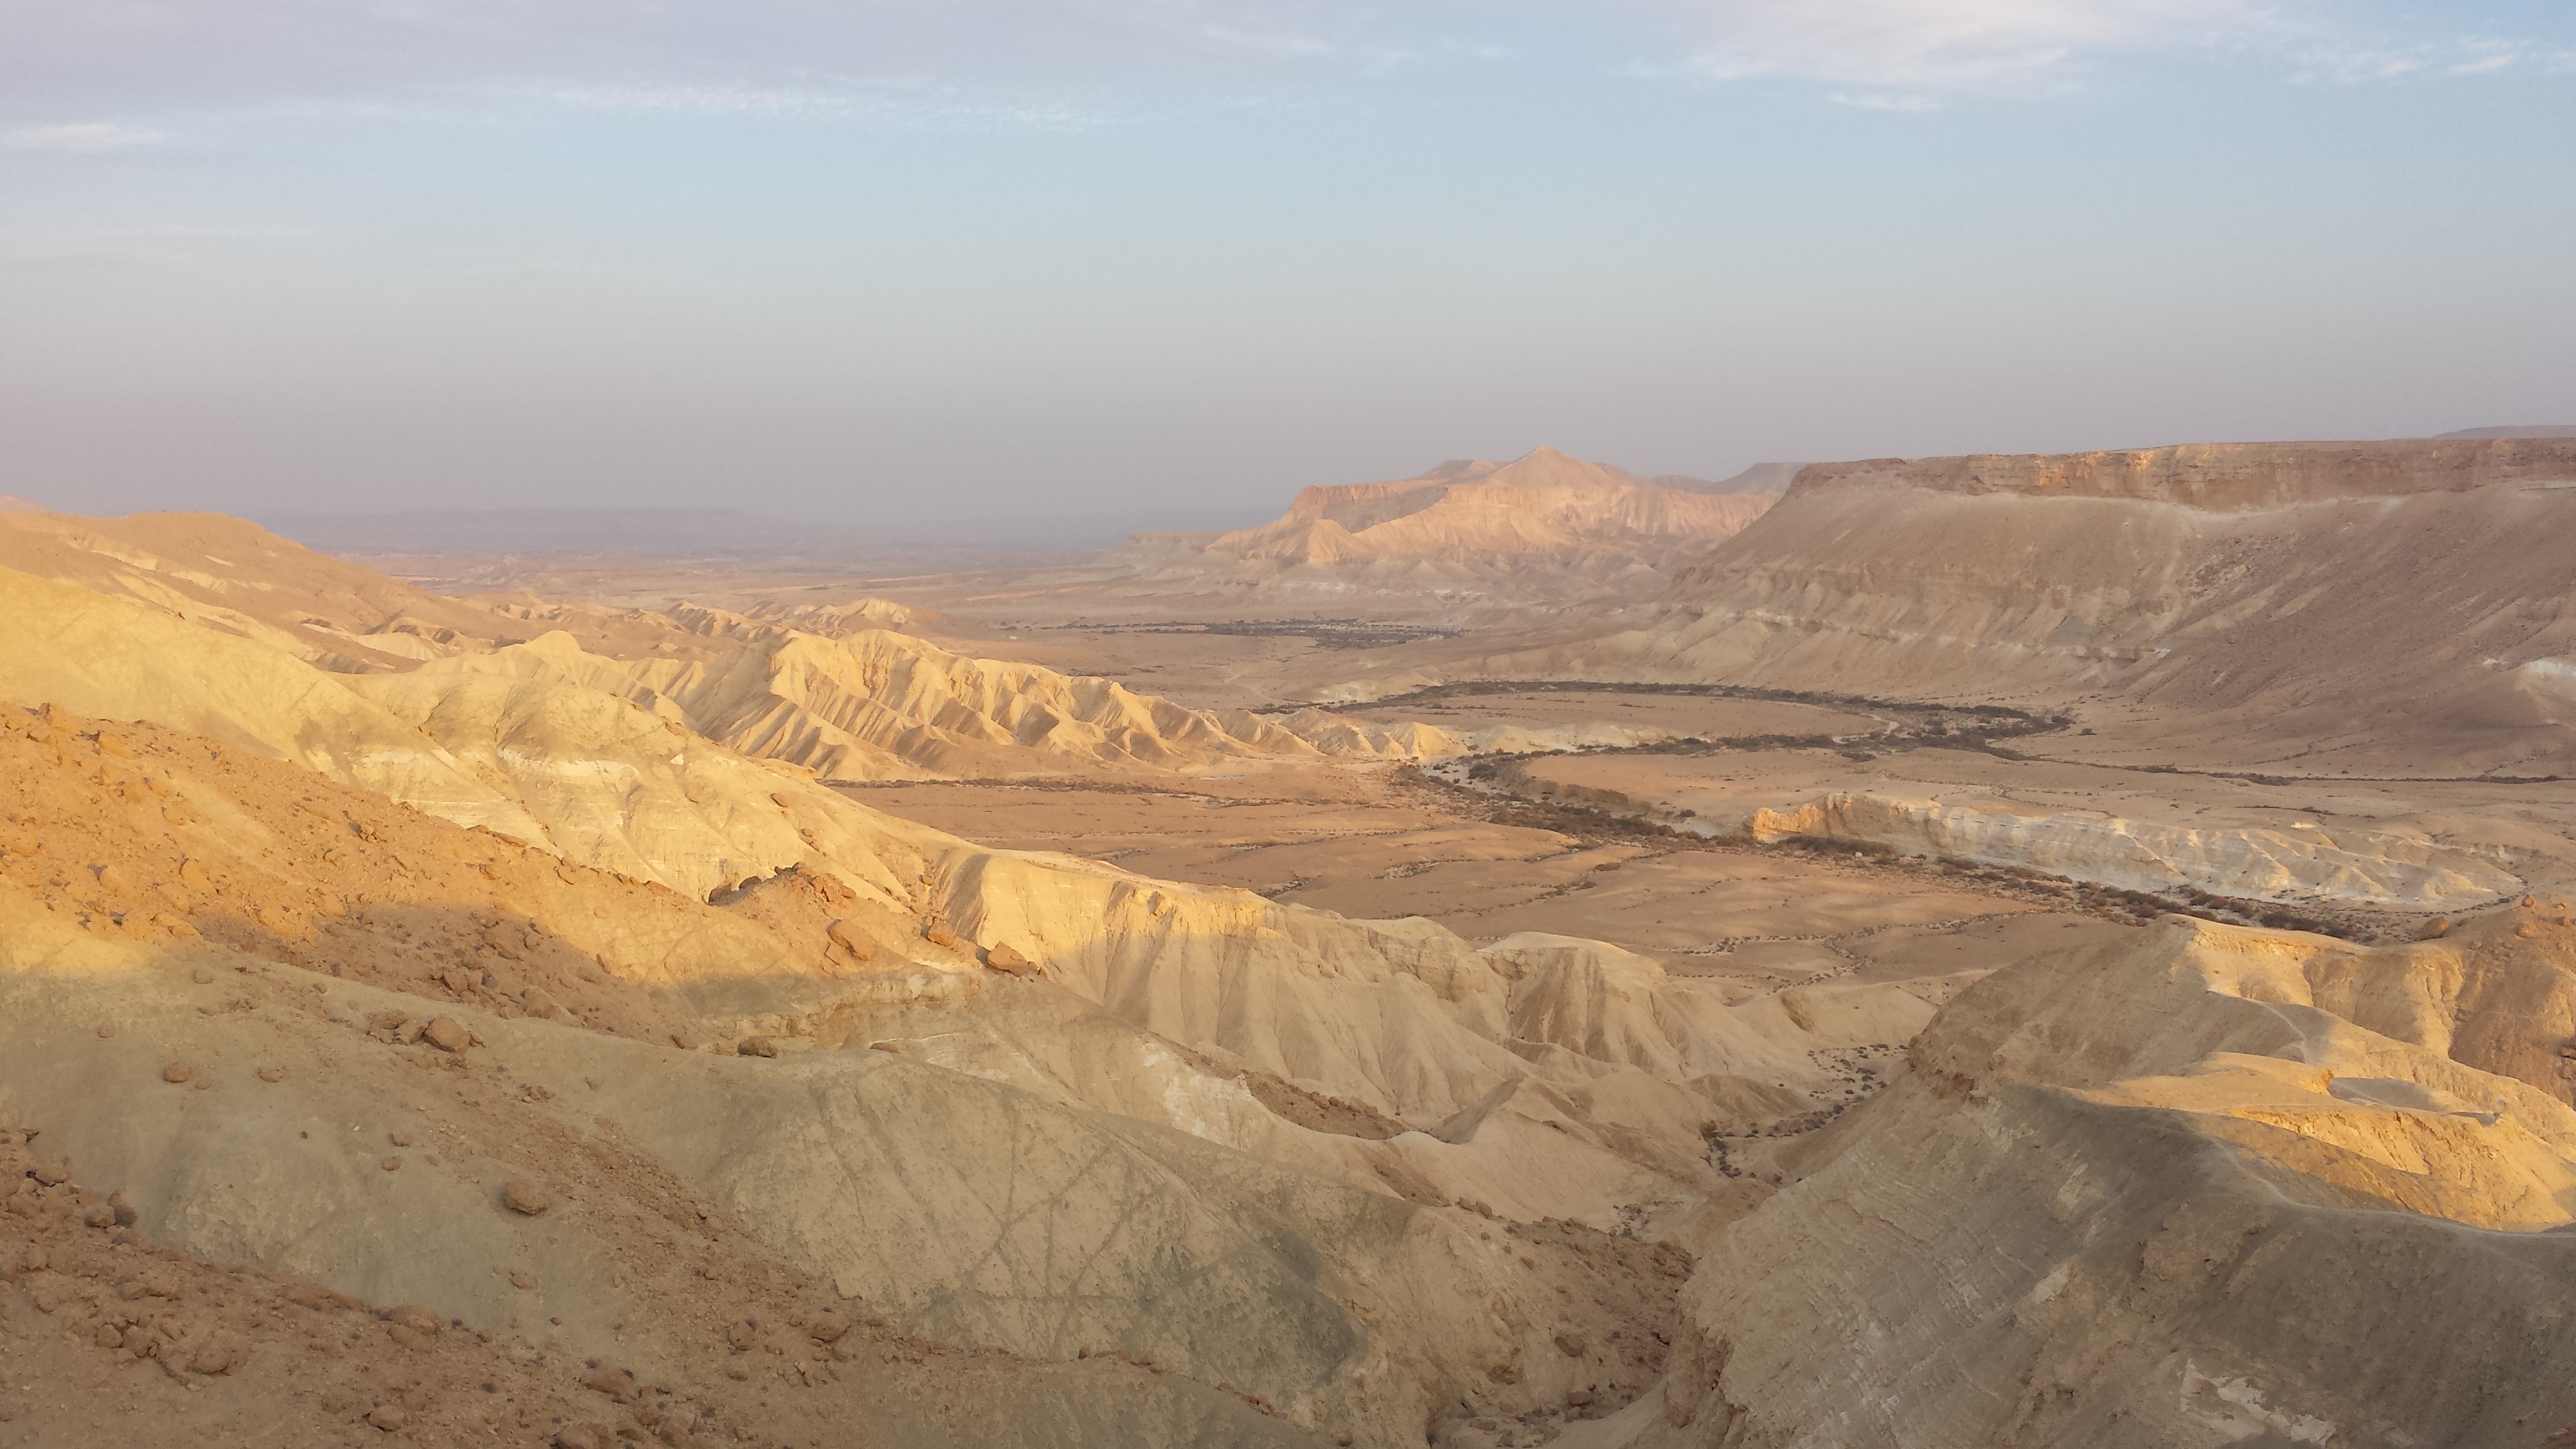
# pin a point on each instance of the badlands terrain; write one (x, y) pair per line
(2071, 950)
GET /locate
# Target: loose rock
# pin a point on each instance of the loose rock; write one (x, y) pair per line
(177, 1072)
(1007, 958)
(521, 1196)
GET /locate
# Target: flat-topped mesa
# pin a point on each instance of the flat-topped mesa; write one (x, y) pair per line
(2407, 600)
(2223, 477)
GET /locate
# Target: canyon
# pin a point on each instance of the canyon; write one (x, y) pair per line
(2041, 949)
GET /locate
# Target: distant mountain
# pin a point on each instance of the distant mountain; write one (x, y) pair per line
(642, 532)
(2410, 597)
(730, 533)
(1766, 478)
(2538, 430)
(1544, 507)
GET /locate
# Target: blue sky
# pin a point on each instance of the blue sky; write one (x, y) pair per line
(891, 259)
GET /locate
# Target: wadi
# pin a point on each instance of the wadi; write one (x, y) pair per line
(2041, 950)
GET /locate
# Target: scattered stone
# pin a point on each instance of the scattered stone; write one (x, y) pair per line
(938, 934)
(202, 976)
(615, 1382)
(522, 1279)
(1007, 958)
(1577, 1398)
(177, 1072)
(743, 1334)
(393, 1164)
(1570, 1344)
(757, 1046)
(105, 1032)
(448, 1035)
(521, 1196)
(847, 936)
(827, 1327)
(684, 1041)
(399, 1139)
(388, 1417)
(272, 1074)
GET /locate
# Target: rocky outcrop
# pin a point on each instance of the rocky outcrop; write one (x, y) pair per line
(2306, 861)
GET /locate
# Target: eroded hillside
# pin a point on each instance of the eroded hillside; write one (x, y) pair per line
(516, 1035)
(2385, 607)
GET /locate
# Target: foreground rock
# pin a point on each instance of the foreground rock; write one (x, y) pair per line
(2220, 1186)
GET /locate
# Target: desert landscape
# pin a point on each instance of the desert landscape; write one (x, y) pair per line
(2046, 949)
(1226, 724)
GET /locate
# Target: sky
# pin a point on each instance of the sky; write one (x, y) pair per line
(979, 263)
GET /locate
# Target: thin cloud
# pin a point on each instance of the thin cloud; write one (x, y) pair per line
(2366, 64)
(1918, 47)
(81, 137)
(1909, 54)
(908, 104)
(1886, 101)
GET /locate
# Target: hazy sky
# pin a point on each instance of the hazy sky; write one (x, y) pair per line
(888, 258)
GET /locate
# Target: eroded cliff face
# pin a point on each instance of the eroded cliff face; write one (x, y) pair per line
(2222, 477)
(2304, 861)
(2360, 604)
(2209, 1186)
